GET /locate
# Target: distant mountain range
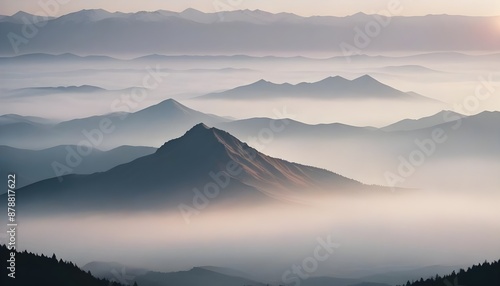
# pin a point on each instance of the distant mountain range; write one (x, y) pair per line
(462, 133)
(409, 69)
(153, 126)
(364, 87)
(421, 123)
(167, 177)
(411, 62)
(221, 275)
(169, 119)
(82, 89)
(194, 277)
(475, 135)
(14, 118)
(197, 276)
(44, 90)
(206, 276)
(87, 31)
(18, 17)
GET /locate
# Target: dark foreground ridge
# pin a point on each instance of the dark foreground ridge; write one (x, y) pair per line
(40, 270)
(478, 275)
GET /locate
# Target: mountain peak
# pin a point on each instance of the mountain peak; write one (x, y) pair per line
(366, 78)
(168, 106)
(199, 126)
(201, 133)
(332, 79)
(195, 139)
(88, 15)
(262, 82)
(93, 12)
(214, 148)
(21, 14)
(202, 155)
(359, 14)
(191, 11)
(170, 101)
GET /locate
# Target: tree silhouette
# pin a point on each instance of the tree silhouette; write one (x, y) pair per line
(477, 275)
(33, 270)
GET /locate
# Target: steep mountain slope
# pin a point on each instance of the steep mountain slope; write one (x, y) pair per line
(209, 159)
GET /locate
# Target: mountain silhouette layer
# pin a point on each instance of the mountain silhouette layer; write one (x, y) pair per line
(207, 159)
(88, 31)
(336, 87)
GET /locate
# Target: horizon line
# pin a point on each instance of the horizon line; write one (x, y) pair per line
(254, 10)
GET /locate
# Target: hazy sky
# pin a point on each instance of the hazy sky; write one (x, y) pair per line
(301, 7)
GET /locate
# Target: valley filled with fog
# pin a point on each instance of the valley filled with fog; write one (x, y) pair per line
(447, 77)
(372, 235)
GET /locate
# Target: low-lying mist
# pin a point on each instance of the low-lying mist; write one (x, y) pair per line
(377, 113)
(437, 79)
(369, 160)
(366, 234)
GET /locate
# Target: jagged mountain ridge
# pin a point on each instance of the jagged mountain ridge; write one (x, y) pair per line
(337, 87)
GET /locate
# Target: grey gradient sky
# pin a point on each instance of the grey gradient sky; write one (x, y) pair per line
(300, 7)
